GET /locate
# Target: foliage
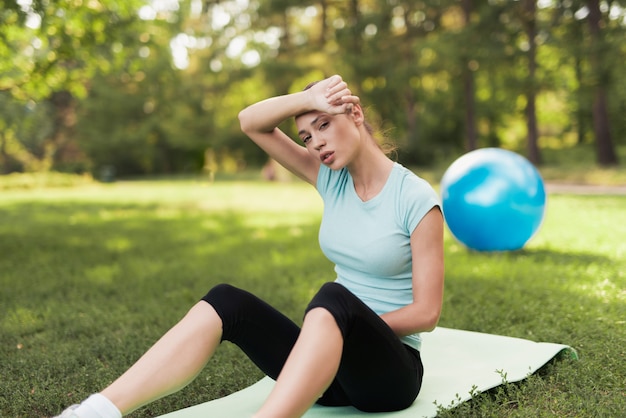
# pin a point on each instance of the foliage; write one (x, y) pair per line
(152, 87)
(92, 276)
(153, 132)
(49, 54)
(29, 181)
(23, 132)
(57, 45)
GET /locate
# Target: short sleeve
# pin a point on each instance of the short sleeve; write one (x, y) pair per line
(323, 180)
(329, 182)
(417, 199)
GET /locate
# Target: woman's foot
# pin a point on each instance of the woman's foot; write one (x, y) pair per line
(95, 406)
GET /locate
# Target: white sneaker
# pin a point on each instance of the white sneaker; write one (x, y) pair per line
(69, 412)
(95, 406)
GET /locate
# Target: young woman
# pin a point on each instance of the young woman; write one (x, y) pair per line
(359, 343)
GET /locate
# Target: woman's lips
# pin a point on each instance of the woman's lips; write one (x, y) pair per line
(327, 157)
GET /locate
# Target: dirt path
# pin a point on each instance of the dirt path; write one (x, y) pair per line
(556, 188)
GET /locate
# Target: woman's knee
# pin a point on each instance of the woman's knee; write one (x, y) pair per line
(219, 292)
(332, 291)
(319, 315)
(335, 299)
(225, 299)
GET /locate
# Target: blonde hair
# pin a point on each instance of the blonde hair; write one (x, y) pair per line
(387, 146)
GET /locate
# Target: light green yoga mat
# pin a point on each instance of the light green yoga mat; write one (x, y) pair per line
(457, 363)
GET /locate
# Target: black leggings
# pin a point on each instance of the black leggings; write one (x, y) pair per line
(377, 372)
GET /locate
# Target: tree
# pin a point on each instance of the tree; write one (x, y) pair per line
(598, 53)
(23, 132)
(60, 45)
(469, 89)
(52, 49)
(149, 86)
(529, 22)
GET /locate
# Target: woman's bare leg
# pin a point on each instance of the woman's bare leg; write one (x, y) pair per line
(171, 363)
(309, 370)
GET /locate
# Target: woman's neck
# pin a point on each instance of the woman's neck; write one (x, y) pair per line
(370, 171)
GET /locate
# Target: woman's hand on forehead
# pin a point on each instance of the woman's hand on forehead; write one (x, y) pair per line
(333, 96)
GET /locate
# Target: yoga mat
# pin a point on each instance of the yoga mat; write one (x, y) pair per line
(457, 364)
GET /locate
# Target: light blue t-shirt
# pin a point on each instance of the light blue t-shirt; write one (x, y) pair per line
(369, 242)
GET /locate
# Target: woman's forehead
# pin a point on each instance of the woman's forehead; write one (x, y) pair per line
(304, 120)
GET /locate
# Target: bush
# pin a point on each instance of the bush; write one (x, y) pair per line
(42, 180)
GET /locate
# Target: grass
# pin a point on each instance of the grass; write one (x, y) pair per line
(93, 275)
(576, 165)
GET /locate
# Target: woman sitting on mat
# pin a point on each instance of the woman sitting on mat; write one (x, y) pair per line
(359, 343)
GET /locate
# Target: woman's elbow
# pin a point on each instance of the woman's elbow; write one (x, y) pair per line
(431, 325)
(431, 321)
(244, 120)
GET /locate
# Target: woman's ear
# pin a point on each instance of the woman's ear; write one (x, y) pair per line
(356, 112)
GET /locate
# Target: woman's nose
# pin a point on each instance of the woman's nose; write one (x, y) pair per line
(318, 142)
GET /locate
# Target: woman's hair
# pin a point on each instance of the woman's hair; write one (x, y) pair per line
(378, 135)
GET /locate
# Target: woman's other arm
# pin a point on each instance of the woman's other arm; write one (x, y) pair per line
(428, 277)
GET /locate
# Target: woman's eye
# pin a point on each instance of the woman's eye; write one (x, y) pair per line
(306, 139)
(323, 125)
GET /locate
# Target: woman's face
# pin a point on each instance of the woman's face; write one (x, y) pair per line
(334, 139)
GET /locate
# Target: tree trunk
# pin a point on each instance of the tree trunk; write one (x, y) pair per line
(581, 113)
(354, 21)
(324, 25)
(471, 140)
(530, 12)
(605, 151)
(64, 120)
(4, 156)
(411, 118)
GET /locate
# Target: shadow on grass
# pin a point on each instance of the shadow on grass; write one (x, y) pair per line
(573, 298)
(556, 257)
(122, 246)
(532, 293)
(87, 288)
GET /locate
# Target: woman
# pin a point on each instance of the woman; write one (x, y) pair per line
(359, 342)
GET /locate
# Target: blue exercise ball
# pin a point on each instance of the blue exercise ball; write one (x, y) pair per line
(493, 200)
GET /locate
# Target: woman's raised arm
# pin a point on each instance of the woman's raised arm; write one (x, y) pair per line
(260, 122)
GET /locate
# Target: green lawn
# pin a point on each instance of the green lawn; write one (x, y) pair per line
(92, 275)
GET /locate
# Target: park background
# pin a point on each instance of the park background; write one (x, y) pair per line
(128, 189)
(154, 87)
